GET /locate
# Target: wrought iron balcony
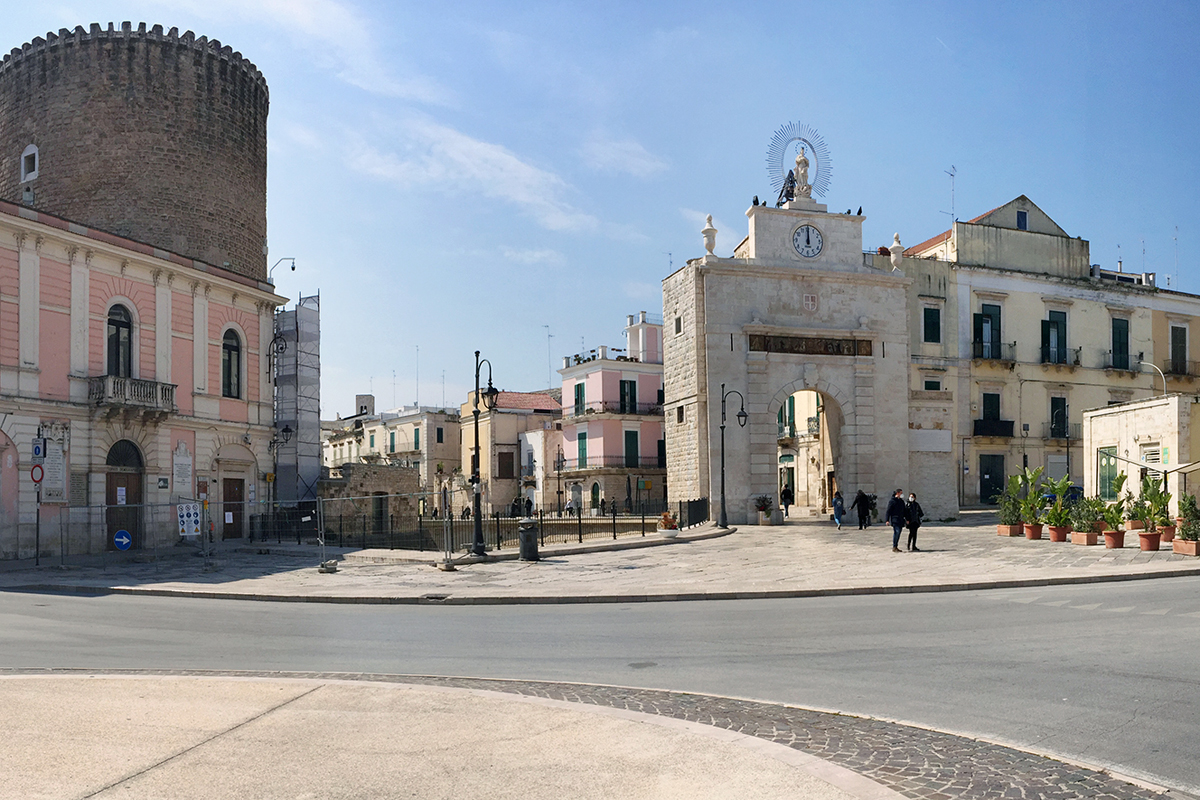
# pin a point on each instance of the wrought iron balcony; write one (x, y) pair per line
(1061, 355)
(994, 351)
(1181, 368)
(613, 462)
(1118, 360)
(614, 407)
(993, 427)
(1071, 431)
(115, 393)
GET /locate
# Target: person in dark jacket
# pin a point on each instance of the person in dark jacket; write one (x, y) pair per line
(897, 517)
(915, 514)
(786, 498)
(862, 505)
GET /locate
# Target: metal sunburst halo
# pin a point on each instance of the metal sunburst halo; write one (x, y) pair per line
(781, 156)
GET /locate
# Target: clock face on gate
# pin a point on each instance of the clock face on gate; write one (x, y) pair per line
(807, 241)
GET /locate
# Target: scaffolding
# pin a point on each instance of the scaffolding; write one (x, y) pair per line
(297, 348)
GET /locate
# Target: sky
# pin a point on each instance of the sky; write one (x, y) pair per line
(516, 178)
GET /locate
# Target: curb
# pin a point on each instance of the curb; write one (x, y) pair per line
(452, 600)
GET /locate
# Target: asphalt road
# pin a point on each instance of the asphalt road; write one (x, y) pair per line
(1102, 673)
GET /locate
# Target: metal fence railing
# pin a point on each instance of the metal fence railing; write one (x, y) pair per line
(354, 522)
(377, 521)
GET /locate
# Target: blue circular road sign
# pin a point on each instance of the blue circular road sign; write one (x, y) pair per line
(123, 540)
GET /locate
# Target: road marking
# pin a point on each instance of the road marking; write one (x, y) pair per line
(1055, 603)
(1088, 607)
(1121, 610)
(1025, 599)
(1162, 612)
(1192, 614)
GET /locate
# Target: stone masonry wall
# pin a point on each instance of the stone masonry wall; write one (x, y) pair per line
(160, 138)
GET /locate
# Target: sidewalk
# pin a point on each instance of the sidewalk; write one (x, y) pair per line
(797, 559)
(147, 735)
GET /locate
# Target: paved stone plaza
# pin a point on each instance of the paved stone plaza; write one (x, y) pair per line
(796, 559)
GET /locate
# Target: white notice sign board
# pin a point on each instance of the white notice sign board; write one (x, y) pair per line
(189, 519)
(54, 484)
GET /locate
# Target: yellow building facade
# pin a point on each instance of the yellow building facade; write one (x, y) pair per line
(1015, 334)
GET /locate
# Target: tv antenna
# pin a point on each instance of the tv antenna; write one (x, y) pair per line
(670, 261)
(951, 172)
(549, 359)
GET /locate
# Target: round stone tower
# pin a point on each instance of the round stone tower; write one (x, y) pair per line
(160, 138)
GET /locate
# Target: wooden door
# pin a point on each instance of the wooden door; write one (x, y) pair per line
(123, 496)
(233, 497)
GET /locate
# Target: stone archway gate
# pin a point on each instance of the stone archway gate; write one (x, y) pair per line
(772, 320)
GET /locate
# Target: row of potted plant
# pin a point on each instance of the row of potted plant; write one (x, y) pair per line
(1023, 508)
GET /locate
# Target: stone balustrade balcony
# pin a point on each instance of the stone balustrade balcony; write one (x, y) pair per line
(116, 395)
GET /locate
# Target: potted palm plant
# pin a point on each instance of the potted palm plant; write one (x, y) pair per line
(1150, 509)
(1009, 502)
(1160, 506)
(1187, 538)
(1058, 516)
(1114, 516)
(763, 504)
(1083, 520)
(1033, 504)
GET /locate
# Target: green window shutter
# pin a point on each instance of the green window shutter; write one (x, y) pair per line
(416, 438)
(581, 444)
(631, 449)
(991, 406)
(580, 401)
(933, 325)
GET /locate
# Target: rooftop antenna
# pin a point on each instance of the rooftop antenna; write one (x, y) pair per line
(951, 172)
(1118, 258)
(443, 390)
(393, 388)
(1176, 239)
(549, 359)
(670, 261)
(1143, 254)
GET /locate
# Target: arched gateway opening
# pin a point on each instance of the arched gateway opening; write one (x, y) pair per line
(809, 449)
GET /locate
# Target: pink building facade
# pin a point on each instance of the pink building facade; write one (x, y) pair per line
(612, 424)
(144, 371)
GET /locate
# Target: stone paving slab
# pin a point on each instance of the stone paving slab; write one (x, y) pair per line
(913, 762)
(802, 558)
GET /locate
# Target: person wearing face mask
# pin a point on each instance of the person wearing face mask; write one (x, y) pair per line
(896, 515)
(913, 514)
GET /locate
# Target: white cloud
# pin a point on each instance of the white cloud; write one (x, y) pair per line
(532, 257)
(437, 154)
(620, 155)
(338, 36)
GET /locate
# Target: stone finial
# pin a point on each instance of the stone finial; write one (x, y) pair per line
(897, 251)
(710, 235)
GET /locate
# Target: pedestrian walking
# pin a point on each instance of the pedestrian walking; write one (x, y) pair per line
(571, 507)
(529, 506)
(897, 517)
(786, 498)
(862, 506)
(914, 516)
(839, 509)
(602, 506)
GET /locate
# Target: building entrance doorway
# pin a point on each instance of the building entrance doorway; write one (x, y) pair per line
(991, 478)
(123, 493)
(233, 493)
(809, 426)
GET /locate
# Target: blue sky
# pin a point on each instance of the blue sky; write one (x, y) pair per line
(456, 176)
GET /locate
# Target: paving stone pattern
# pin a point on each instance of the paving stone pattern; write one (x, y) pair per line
(915, 762)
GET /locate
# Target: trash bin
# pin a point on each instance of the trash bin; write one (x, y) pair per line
(527, 539)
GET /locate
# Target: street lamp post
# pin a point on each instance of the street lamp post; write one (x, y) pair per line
(281, 438)
(559, 462)
(1160, 372)
(489, 402)
(723, 522)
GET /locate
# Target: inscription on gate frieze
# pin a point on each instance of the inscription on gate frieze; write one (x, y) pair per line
(809, 345)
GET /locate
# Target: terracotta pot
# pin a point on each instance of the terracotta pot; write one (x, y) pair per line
(1114, 540)
(1058, 533)
(1084, 537)
(1185, 547)
(1009, 530)
(1168, 533)
(1133, 524)
(1033, 531)
(1098, 526)
(1148, 540)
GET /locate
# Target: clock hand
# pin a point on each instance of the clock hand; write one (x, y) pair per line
(808, 237)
